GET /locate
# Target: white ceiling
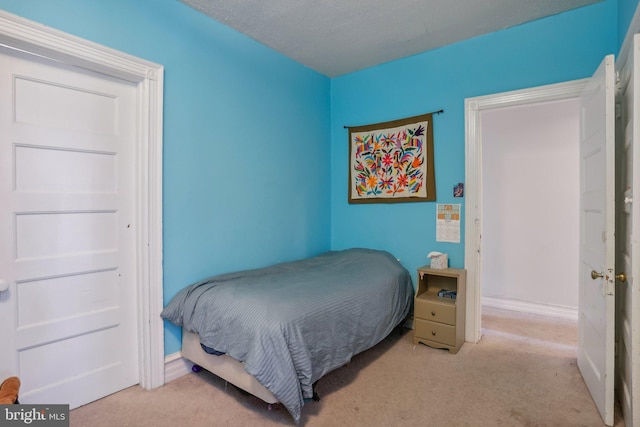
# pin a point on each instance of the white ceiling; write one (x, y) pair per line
(336, 37)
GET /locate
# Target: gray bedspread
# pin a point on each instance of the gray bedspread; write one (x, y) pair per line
(294, 322)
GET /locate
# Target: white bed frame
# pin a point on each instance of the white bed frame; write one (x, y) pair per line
(223, 366)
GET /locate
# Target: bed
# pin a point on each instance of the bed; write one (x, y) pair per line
(276, 331)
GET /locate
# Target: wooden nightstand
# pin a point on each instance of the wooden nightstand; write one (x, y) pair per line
(439, 321)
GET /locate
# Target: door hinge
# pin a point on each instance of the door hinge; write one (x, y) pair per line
(618, 111)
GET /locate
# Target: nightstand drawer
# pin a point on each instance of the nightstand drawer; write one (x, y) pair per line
(434, 310)
(433, 331)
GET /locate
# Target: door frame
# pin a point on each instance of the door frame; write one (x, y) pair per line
(473, 179)
(29, 36)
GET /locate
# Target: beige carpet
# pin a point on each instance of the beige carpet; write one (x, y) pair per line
(522, 373)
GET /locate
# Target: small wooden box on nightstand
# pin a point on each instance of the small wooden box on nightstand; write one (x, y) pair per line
(439, 321)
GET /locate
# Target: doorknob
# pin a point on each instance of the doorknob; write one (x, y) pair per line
(4, 285)
(620, 276)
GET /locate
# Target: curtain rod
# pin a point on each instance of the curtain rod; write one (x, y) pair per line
(433, 112)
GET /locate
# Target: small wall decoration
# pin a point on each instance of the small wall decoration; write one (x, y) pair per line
(458, 190)
(392, 161)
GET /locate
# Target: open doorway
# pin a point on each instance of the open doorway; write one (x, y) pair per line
(530, 208)
(474, 220)
(473, 206)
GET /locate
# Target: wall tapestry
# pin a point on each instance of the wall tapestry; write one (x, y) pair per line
(392, 161)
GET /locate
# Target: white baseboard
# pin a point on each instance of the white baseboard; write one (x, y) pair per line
(533, 308)
(175, 366)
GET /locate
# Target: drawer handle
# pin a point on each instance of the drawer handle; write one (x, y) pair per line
(433, 333)
(433, 313)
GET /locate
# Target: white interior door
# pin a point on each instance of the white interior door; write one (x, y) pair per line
(628, 248)
(67, 252)
(597, 257)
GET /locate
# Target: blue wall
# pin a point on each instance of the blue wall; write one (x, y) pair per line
(559, 48)
(250, 136)
(246, 134)
(626, 10)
